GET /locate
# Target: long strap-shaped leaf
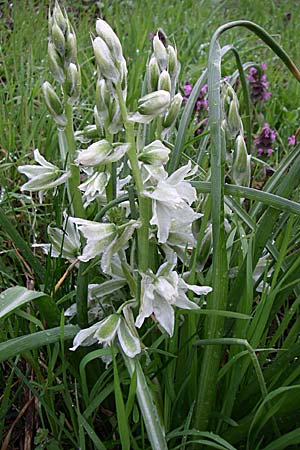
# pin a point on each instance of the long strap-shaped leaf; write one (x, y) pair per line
(15, 297)
(21, 344)
(155, 431)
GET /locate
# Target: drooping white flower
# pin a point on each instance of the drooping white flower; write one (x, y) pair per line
(101, 152)
(104, 239)
(181, 239)
(63, 243)
(171, 200)
(150, 106)
(161, 292)
(155, 153)
(43, 176)
(105, 333)
(98, 235)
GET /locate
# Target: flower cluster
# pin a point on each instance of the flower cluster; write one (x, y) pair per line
(201, 106)
(258, 84)
(162, 75)
(264, 140)
(93, 175)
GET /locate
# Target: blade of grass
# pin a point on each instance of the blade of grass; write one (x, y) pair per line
(25, 343)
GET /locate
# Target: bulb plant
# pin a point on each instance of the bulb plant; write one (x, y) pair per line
(164, 264)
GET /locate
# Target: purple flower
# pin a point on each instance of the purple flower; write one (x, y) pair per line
(187, 89)
(265, 140)
(258, 84)
(292, 140)
(201, 106)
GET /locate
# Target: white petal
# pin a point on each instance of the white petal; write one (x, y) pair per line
(162, 218)
(164, 314)
(42, 161)
(183, 302)
(129, 343)
(107, 328)
(118, 153)
(179, 175)
(85, 337)
(147, 297)
(140, 118)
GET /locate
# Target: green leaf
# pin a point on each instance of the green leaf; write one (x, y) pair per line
(291, 438)
(16, 346)
(21, 244)
(91, 432)
(151, 416)
(121, 413)
(15, 297)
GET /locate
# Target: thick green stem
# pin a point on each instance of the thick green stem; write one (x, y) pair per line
(143, 231)
(74, 180)
(77, 210)
(214, 324)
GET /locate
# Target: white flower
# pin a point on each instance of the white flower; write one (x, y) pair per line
(105, 332)
(98, 235)
(160, 293)
(172, 198)
(155, 153)
(103, 239)
(63, 243)
(181, 239)
(94, 187)
(150, 106)
(43, 176)
(101, 152)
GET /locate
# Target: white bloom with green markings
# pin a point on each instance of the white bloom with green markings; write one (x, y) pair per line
(171, 200)
(161, 292)
(42, 176)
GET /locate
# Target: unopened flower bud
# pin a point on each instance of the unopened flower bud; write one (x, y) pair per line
(164, 81)
(95, 153)
(53, 103)
(155, 153)
(101, 152)
(102, 98)
(59, 17)
(160, 53)
(173, 111)
(154, 104)
(55, 64)
(73, 83)
(105, 61)
(71, 48)
(58, 39)
(105, 32)
(234, 122)
(172, 61)
(241, 166)
(152, 74)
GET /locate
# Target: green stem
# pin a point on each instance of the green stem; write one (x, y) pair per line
(74, 179)
(77, 209)
(143, 231)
